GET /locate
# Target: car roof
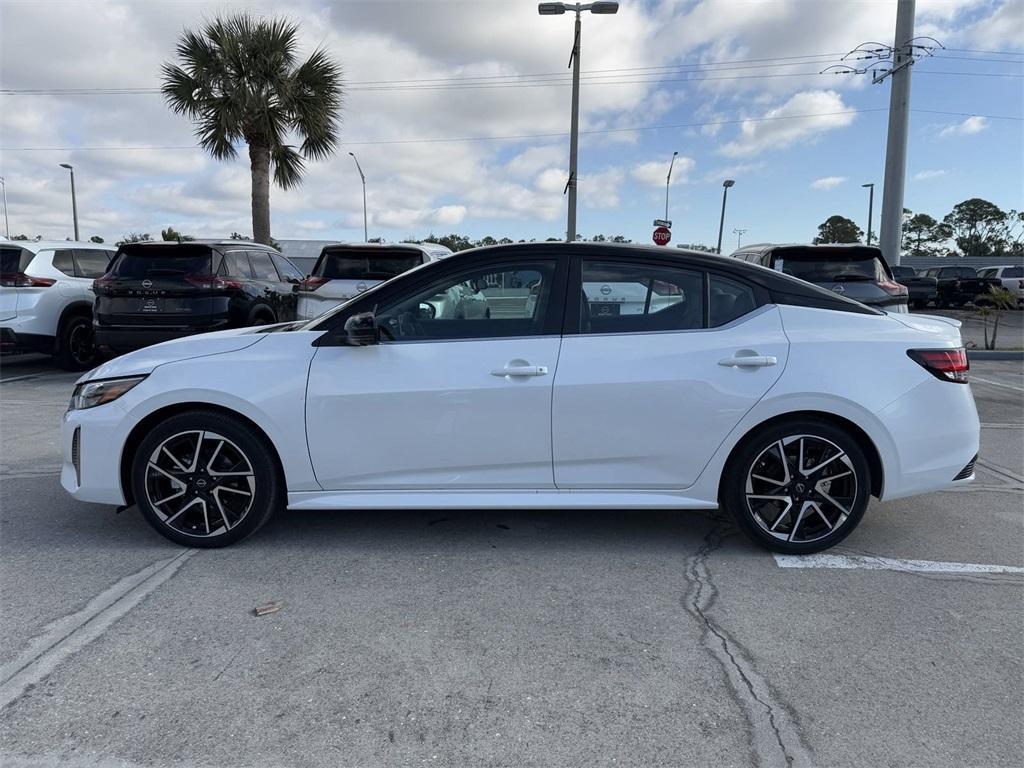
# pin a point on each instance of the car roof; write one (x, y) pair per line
(424, 248)
(45, 245)
(764, 247)
(208, 242)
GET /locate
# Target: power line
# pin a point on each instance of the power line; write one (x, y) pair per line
(483, 138)
(994, 53)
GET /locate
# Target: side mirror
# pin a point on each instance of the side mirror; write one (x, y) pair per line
(361, 330)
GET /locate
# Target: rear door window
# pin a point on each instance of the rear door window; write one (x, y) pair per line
(91, 263)
(236, 264)
(64, 261)
(634, 298)
(366, 264)
(14, 260)
(286, 270)
(1013, 272)
(263, 267)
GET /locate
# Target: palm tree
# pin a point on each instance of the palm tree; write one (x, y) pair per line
(239, 80)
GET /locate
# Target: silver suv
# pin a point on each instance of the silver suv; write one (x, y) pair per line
(46, 299)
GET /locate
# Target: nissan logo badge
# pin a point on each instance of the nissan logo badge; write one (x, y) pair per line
(361, 287)
(147, 283)
(606, 289)
(839, 289)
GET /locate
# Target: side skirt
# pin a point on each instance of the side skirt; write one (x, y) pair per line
(502, 499)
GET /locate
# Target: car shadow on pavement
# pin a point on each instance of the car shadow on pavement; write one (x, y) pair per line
(643, 531)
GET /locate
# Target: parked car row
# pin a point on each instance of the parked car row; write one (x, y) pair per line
(951, 287)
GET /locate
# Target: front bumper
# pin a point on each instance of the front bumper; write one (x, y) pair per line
(91, 443)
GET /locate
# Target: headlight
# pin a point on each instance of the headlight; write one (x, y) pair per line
(92, 393)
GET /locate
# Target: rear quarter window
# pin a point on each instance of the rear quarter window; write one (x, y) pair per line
(91, 262)
(64, 261)
(14, 260)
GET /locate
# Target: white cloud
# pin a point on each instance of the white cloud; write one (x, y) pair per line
(828, 182)
(1001, 29)
(970, 126)
(925, 175)
(781, 126)
(654, 172)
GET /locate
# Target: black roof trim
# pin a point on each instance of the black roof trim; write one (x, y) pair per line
(783, 289)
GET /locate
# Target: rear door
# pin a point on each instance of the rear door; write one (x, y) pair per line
(642, 401)
(269, 285)
(172, 286)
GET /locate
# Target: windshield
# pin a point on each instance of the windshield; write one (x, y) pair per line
(161, 261)
(836, 265)
(365, 264)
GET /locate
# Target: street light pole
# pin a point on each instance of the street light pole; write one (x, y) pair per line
(739, 236)
(721, 222)
(74, 202)
(7, 224)
(668, 180)
(871, 206)
(557, 9)
(366, 235)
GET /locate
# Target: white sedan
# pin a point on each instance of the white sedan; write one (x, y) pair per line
(780, 401)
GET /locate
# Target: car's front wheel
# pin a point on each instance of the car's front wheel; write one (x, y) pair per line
(798, 487)
(205, 479)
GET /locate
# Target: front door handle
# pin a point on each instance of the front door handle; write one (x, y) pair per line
(521, 370)
(749, 361)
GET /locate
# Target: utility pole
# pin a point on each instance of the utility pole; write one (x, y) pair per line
(871, 206)
(557, 9)
(366, 235)
(739, 236)
(721, 222)
(74, 202)
(899, 125)
(668, 180)
(7, 224)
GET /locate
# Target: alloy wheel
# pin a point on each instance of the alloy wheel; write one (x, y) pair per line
(81, 344)
(801, 488)
(200, 483)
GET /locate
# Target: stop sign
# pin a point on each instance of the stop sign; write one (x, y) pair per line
(662, 235)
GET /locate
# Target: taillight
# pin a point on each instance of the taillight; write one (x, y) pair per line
(101, 284)
(211, 282)
(893, 288)
(21, 280)
(312, 283)
(944, 364)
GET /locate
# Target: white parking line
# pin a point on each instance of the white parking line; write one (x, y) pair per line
(997, 384)
(876, 563)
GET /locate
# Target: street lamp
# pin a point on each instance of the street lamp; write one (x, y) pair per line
(557, 9)
(871, 206)
(668, 180)
(74, 203)
(366, 236)
(7, 224)
(721, 222)
(739, 236)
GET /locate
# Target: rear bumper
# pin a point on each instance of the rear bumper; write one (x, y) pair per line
(12, 342)
(123, 339)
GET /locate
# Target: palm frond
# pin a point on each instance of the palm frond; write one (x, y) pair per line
(288, 166)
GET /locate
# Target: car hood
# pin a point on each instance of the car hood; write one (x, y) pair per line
(145, 361)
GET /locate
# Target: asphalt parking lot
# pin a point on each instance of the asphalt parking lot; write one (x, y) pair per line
(509, 638)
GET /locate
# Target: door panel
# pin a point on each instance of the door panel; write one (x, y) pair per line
(432, 414)
(648, 410)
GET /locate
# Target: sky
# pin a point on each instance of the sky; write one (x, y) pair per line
(459, 114)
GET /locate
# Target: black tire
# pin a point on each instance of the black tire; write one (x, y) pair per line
(761, 451)
(203, 479)
(76, 344)
(262, 315)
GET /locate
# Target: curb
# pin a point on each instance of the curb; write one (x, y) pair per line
(994, 354)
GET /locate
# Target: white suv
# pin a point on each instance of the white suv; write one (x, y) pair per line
(1012, 278)
(46, 298)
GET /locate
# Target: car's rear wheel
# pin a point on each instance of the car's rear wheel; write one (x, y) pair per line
(798, 487)
(205, 479)
(76, 344)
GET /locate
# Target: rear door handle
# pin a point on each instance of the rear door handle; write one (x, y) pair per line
(750, 361)
(521, 370)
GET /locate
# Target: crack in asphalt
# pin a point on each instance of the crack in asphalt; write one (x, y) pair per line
(774, 737)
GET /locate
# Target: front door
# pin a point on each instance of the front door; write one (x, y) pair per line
(652, 385)
(448, 399)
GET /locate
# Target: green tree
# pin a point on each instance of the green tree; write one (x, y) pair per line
(239, 79)
(95, 239)
(487, 240)
(923, 235)
(20, 237)
(171, 234)
(453, 241)
(838, 229)
(978, 227)
(135, 237)
(237, 236)
(697, 247)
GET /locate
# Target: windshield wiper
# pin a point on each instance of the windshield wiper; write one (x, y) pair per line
(851, 279)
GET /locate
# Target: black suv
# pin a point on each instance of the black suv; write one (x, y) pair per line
(159, 291)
